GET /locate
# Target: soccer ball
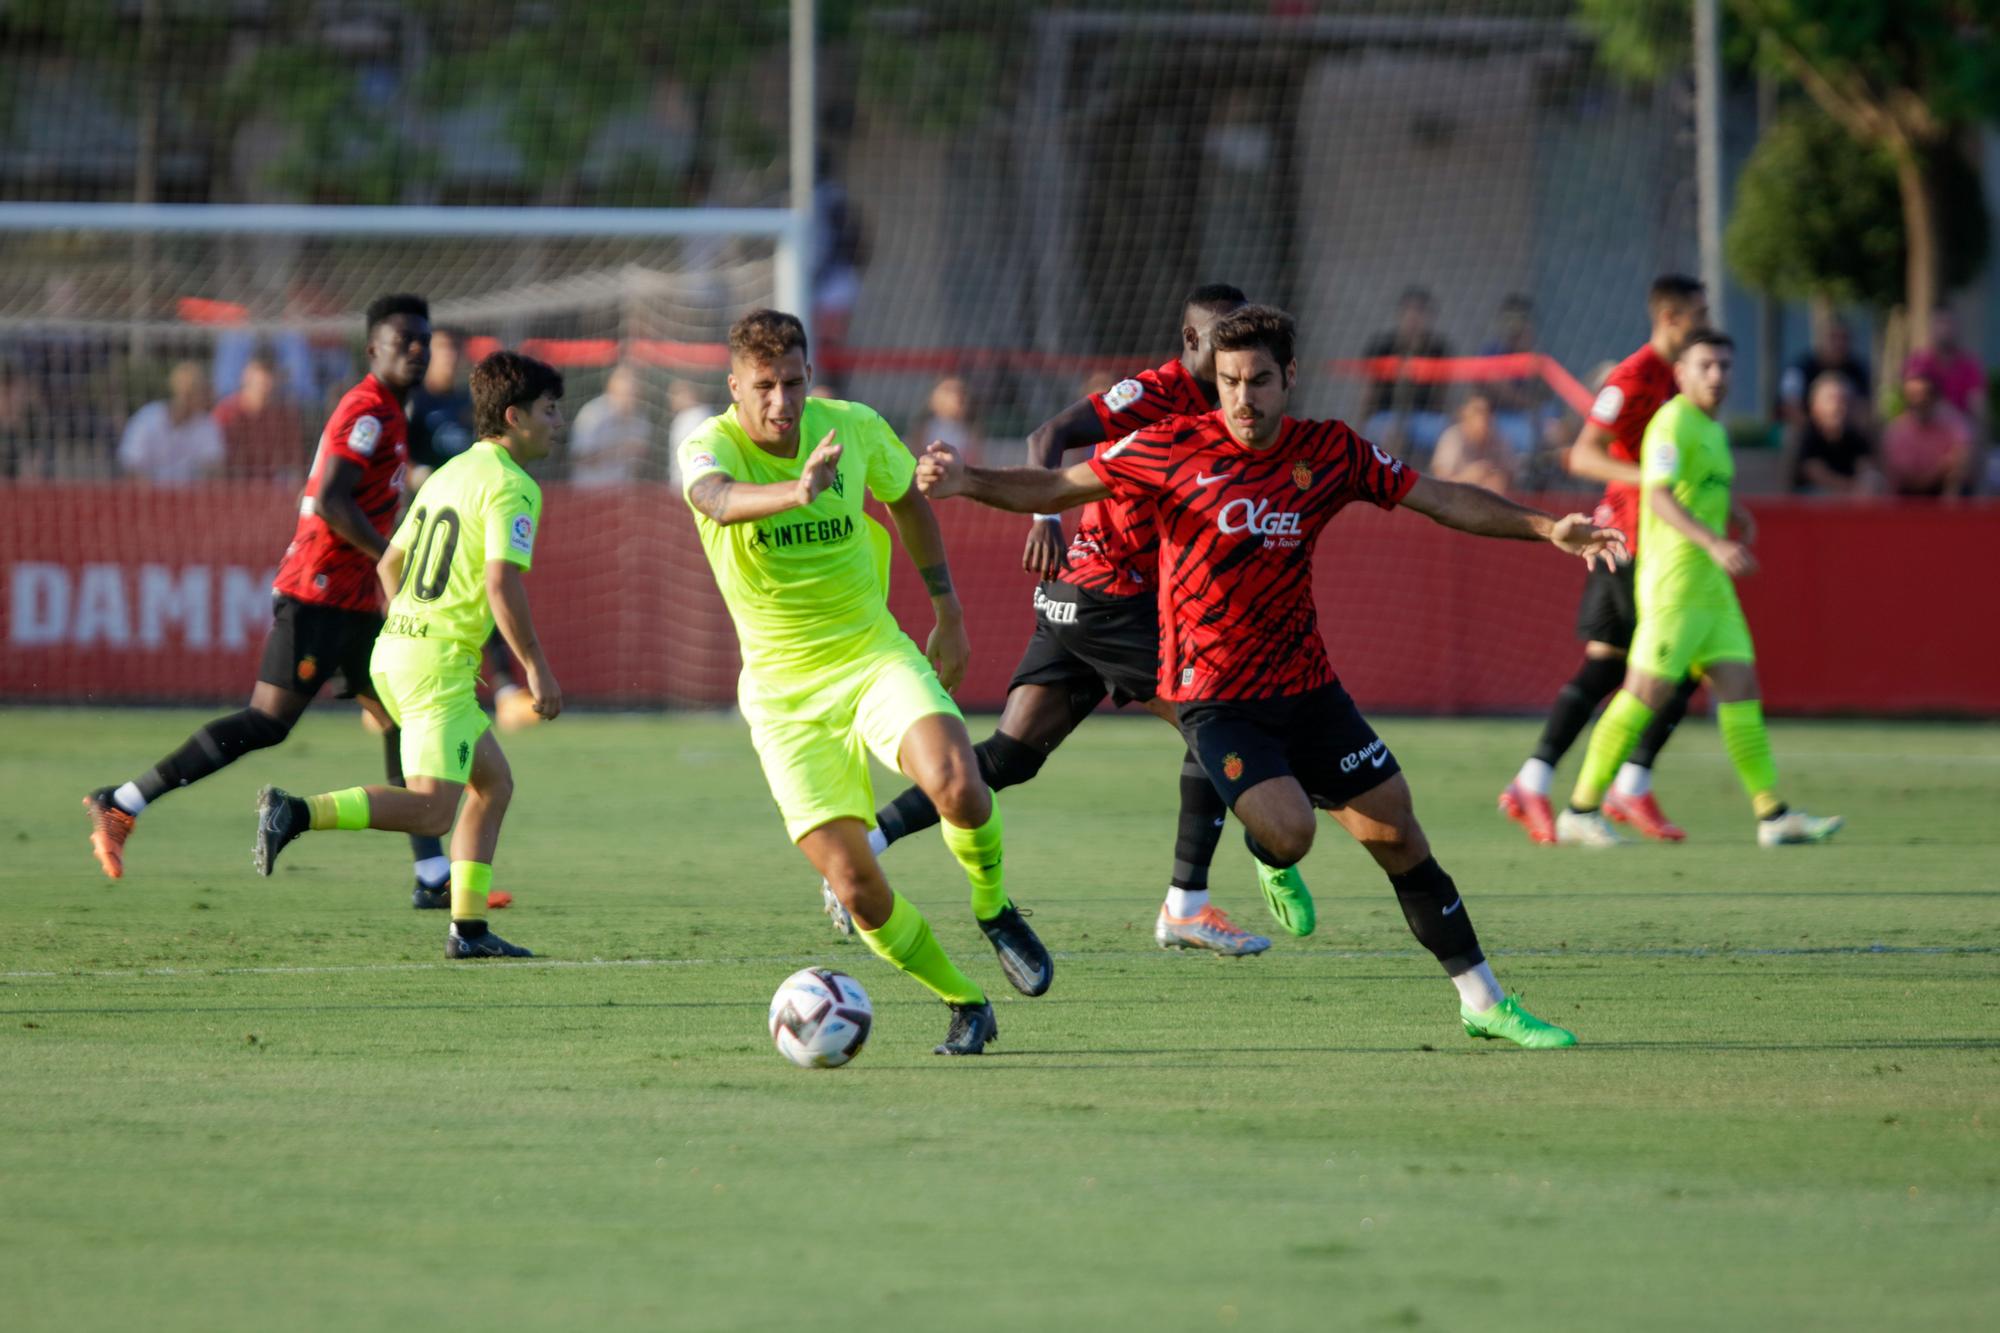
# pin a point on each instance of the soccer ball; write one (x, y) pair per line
(820, 1018)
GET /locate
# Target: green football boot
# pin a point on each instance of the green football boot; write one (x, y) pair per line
(1508, 1019)
(1285, 894)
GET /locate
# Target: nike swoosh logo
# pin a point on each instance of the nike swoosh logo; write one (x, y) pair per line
(1456, 903)
(1203, 479)
(1379, 759)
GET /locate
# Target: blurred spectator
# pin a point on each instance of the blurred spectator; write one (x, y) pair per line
(263, 436)
(611, 437)
(1402, 415)
(689, 408)
(69, 392)
(440, 408)
(1929, 449)
(23, 425)
(1472, 449)
(952, 421)
(176, 441)
(1832, 351)
(1520, 406)
(1831, 453)
(839, 251)
(1960, 379)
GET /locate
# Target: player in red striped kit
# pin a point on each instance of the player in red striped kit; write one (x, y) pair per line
(326, 600)
(1241, 496)
(1607, 450)
(1097, 634)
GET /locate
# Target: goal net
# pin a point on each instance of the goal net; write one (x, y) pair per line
(1457, 200)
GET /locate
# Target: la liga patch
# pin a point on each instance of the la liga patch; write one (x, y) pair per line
(522, 537)
(1123, 394)
(363, 438)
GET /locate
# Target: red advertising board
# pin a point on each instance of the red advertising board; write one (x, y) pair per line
(122, 593)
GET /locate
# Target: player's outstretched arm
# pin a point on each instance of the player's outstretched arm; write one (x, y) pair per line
(1482, 513)
(1588, 458)
(1075, 427)
(509, 598)
(1734, 557)
(727, 500)
(941, 472)
(949, 648)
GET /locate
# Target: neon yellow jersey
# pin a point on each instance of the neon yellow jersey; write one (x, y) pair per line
(478, 507)
(1686, 449)
(808, 588)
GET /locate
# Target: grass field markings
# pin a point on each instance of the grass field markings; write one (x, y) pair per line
(800, 960)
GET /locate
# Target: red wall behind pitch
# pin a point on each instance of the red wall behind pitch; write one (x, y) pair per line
(124, 593)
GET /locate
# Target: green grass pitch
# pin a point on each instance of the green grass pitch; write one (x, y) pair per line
(235, 1103)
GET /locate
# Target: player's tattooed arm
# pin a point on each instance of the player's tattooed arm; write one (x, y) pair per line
(942, 472)
(949, 648)
(727, 500)
(1482, 513)
(337, 506)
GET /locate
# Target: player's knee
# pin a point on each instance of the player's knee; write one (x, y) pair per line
(439, 811)
(263, 729)
(964, 800)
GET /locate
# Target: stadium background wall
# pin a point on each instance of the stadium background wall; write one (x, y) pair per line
(123, 594)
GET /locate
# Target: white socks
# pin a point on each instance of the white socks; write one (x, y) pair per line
(1478, 990)
(1535, 776)
(876, 842)
(1186, 902)
(434, 872)
(1633, 780)
(128, 799)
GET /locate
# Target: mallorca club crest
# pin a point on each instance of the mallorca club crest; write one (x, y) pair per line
(1232, 765)
(308, 667)
(1302, 476)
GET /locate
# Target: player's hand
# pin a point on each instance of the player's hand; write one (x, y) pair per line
(1047, 556)
(1735, 559)
(950, 650)
(542, 685)
(1576, 534)
(940, 471)
(822, 467)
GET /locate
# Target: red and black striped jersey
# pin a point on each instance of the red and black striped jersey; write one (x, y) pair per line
(1237, 527)
(1116, 546)
(1637, 387)
(367, 429)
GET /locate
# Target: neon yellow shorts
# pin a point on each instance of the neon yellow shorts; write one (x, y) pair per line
(1671, 641)
(814, 741)
(440, 718)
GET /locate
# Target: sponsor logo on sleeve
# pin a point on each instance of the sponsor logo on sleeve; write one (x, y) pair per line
(522, 538)
(1663, 457)
(1120, 447)
(1382, 456)
(1123, 394)
(366, 433)
(1610, 402)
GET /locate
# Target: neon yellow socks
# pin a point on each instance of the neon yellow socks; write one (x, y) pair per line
(339, 809)
(905, 940)
(469, 882)
(1617, 731)
(978, 850)
(1749, 745)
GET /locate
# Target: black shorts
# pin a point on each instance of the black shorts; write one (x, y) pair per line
(309, 645)
(1609, 611)
(1318, 737)
(1088, 641)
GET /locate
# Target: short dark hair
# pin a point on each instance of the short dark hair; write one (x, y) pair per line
(1705, 338)
(1218, 297)
(1417, 296)
(508, 379)
(1672, 292)
(400, 303)
(1257, 326)
(766, 335)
